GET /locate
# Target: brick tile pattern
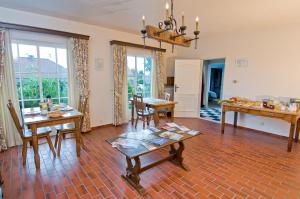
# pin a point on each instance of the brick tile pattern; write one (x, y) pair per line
(240, 164)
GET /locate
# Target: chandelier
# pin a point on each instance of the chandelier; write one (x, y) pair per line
(169, 31)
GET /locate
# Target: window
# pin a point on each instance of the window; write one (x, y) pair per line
(41, 70)
(139, 76)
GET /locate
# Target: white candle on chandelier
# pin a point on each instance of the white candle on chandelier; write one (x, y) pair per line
(144, 23)
(197, 23)
(167, 10)
(182, 18)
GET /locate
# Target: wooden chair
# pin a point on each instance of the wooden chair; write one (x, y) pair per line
(164, 112)
(26, 134)
(142, 112)
(64, 129)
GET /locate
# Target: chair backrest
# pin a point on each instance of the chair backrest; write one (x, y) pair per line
(139, 104)
(167, 96)
(82, 108)
(15, 117)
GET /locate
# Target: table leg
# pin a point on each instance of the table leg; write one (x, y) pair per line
(132, 112)
(235, 119)
(35, 146)
(156, 118)
(223, 122)
(291, 137)
(172, 113)
(132, 174)
(177, 153)
(297, 131)
(78, 136)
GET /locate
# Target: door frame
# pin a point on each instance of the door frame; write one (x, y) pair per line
(207, 82)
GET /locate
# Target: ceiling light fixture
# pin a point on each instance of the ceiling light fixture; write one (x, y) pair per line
(167, 31)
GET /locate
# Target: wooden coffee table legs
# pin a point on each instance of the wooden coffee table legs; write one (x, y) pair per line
(132, 174)
(177, 156)
(132, 171)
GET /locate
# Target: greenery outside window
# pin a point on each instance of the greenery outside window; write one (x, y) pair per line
(41, 69)
(139, 75)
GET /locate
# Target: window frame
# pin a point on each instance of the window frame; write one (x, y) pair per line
(20, 74)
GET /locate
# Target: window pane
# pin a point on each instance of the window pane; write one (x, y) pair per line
(62, 60)
(14, 49)
(55, 101)
(16, 65)
(148, 77)
(48, 60)
(47, 53)
(18, 82)
(31, 87)
(140, 65)
(148, 65)
(131, 85)
(28, 51)
(50, 87)
(27, 64)
(64, 101)
(140, 75)
(31, 103)
(131, 66)
(63, 84)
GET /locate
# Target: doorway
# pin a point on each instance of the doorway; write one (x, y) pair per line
(212, 89)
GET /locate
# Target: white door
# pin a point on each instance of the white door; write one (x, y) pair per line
(187, 88)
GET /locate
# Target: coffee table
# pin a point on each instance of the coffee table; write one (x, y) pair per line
(143, 144)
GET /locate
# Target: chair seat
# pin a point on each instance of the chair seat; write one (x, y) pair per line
(40, 131)
(65, 127)
(147, 112)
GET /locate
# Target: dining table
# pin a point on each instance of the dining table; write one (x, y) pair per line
(156, 104)
(34, 119)
(292, 117)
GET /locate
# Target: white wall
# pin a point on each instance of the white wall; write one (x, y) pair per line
(273, 67)
(101, 81)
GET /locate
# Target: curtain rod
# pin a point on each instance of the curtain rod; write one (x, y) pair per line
(136, 45)
(41, 30)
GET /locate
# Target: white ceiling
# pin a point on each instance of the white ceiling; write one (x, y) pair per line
(216, 16)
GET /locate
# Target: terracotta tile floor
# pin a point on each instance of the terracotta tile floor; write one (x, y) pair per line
(240, 164)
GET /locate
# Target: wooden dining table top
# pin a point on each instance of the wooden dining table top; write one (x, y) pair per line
(285, 112)
(156, 101)
(33, 115)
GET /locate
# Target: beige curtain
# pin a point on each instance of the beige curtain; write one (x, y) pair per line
(79, 79)
(158, 75)
(8, 90)
(2, 55)
(72, 77)
(3, 144)
(120, 85)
